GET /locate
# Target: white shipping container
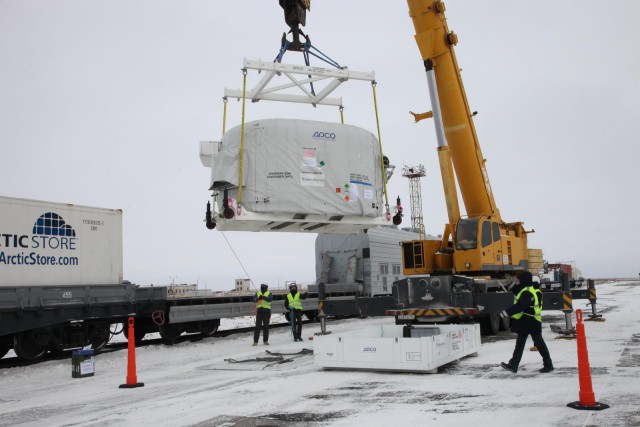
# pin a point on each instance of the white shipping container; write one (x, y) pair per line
(56, 244)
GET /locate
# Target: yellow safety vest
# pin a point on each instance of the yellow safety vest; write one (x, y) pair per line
(538, 293)
(537, 304)
(263, 303)
(294, 301)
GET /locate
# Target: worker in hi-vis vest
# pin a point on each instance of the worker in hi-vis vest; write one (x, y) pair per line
(263, 300)
(293, 303)
(526, 319)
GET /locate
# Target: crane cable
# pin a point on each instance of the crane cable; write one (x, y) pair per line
(239, 262)
(244, 95)
(384, 175)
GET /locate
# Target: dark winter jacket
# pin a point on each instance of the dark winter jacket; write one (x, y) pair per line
(526, 324)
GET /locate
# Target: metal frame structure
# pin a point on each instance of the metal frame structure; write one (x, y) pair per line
(334, 77)
(301, 77)
(414, 173)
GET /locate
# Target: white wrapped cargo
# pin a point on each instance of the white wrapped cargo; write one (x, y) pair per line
(55, 244)
(298, 174)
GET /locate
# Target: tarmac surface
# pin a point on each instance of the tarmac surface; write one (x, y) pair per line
(196, 383)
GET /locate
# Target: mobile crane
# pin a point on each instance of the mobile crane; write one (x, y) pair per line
(467, 270)
(466, 267)
(482, 244)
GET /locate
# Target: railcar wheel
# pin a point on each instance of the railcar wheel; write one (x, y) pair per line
(101, 337)
(311, 315)
(4, 349)
(27, 347)
(170, 333)
(208, 327)
(138, 334)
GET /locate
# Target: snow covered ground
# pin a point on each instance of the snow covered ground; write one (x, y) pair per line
(191, 384)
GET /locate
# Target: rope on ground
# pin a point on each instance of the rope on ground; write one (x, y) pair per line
(279, 359)
(301, 352)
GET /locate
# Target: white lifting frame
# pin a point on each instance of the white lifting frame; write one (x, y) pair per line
(336, 77)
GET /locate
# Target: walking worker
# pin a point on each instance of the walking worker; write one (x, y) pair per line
(526, 319)
(294, 305)
(263, 300)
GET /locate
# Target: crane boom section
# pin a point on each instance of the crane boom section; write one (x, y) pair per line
(436, 42)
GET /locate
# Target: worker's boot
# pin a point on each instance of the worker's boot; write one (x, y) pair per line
(255, 344)
(546, 369)
(509, 367)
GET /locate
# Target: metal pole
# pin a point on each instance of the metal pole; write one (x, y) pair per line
(591, 287)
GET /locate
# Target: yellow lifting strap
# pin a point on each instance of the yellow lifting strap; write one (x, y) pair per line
(244, 94)
(384, 174)
(224, 116)
(341, 114)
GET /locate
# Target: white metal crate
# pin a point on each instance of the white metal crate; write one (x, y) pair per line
(383, 348)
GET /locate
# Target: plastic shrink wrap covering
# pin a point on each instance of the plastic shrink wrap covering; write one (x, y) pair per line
(299, 168)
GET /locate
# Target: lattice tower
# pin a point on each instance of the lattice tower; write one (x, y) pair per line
(414, 173)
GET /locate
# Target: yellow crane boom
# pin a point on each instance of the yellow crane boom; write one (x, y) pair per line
(482, 243)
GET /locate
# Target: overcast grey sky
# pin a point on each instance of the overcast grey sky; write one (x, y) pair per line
(103, 103)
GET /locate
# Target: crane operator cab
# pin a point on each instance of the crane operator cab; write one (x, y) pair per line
(484, 244)
(467, 234)
(480, 246)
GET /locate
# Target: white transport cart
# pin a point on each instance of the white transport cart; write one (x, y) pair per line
(420, 349)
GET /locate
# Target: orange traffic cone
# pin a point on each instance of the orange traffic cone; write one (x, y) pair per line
(132, 379)
(587, 397)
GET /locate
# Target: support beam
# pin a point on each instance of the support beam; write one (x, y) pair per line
(333, 76)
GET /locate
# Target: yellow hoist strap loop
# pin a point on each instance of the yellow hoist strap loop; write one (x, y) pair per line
(384, 174)
(341, 114)
(244, 94)
(224, 116)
